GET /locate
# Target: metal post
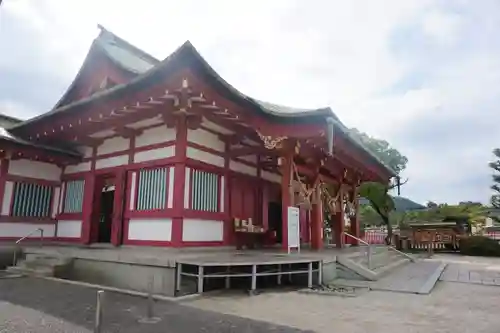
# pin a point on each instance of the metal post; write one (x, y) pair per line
(150, 305)
(320, 273)
(279, 275)
(150, 318)
(228, 279)
(41, 237)
(310, 275)
(179, 278)
(200, 279)
(98, 312)
(254, 279)
(369, 257)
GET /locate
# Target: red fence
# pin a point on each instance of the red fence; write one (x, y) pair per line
(377, 237)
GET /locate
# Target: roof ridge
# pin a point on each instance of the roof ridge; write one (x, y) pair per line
(126, 45)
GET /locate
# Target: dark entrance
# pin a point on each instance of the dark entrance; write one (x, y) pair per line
(106, 214)
(274, 218)
(102, 215)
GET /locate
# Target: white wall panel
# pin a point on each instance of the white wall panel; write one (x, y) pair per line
(111, 162)
(205, 138)
(203, 156)
(80, 167)
(19, 229)
(242, 168)
(112, 145)
(270, 176)
(69, 229)
(7, 197)
(196, 230)
(150, 229)
(155, 135)
(35, 169)
(154, 154)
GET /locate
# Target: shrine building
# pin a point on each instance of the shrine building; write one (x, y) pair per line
(166, 153)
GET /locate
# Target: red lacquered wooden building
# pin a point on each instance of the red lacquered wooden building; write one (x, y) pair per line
(166, 153)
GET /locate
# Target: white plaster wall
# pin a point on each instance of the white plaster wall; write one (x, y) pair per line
(55, 201)
(150, 229)
(242, 168)
(171, 179)
(205, 138)
(154, 154)
(269, 176)
(69, 229)
(155, 135)
(157, 120)
(196, 230)
(111, 162)
(61, 198)
(250, 158)
(80, 167)
(187, 187)
(85, 151)
(22, 229)
(222, 193)
(112, 145)
(7, 197)
(133, 180)
(35, 169)
(203, 156)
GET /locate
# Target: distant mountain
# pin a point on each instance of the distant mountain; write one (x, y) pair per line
(402, 204)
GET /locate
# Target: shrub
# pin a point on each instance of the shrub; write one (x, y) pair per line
(480, 246)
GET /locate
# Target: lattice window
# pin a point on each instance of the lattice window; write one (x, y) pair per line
(204, 191)
(73, 196)
(31, 200)
(152, 189)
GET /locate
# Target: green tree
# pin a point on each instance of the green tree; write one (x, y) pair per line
(377, 194)
(381, 202)
(495, 198)
(383, 150)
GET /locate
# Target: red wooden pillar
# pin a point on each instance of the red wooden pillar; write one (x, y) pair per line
(265, 205)
(118, 207)
(286, 197)
(88, 207)
(179, 181)
(339, 222)
(4, 170)
(355, 230)
(317, 222)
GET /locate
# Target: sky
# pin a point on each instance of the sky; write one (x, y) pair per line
(423, 75)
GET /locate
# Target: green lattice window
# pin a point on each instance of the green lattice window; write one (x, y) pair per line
(205, 191)
(31, 200)
(73, 196)
(152, 189)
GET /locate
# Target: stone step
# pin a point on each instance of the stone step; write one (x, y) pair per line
(40, 271)
(419, 278)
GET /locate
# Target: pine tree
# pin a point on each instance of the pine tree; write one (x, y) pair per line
(495, 198)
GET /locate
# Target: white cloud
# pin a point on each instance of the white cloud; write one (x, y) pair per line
(316, 53)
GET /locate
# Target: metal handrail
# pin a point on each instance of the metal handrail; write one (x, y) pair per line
(356, 238)
(14, 260)
(412, 259)
(368, 246)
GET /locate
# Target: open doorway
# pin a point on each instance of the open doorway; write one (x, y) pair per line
(106, 214)
(102, 215)
(274, 218)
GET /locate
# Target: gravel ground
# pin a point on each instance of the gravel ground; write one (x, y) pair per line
(14, 318)
(70, 308)
(450, 308)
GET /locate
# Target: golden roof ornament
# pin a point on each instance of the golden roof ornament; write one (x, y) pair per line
(271, 142)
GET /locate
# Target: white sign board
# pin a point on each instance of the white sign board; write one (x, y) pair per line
(293, 228)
